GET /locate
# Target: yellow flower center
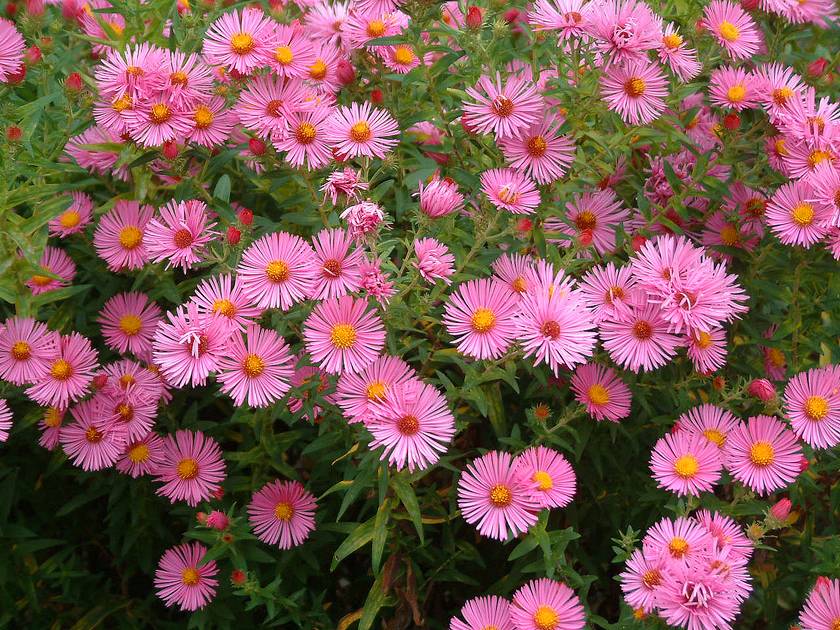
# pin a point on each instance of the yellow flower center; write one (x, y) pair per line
(125, 412)
(224, 307)
(130, 237)
(500, 495)
(835, 624)
(253, 366)
(672, 41)
(160, 113)
(376, 390)
(816, 408)
(403, 55)
(598, 394)
(803, 214)
(713, 435)
(242, 43)
(179, 78)
(122, 103)
(678, 547)
(652, 578)
(729, 31)
(126, 380)
(781, 95)
(92, 435)
(519, 285)
(305, 132)
(53, 417)
(318, 70)
(703, 340)
(187, 469)
(736, 93)
(777, 357)
(543, 480)
(729, 235)
(189, 576)
(343, 336)
(277, 271)
(21, 351)
(686, 466)
(41, 281)
(138, 453)
(274, 108)
(779, 147)
(61, 370)
(408, 425)
(546, 618)
(69, 219)
(360, 132)
(284, 55)
(634, 86)
(586, 220)
(762, 453)
(130, 324)
(284, 511)
(537, 146)
(502, 106)
(817, 156)
(376, 28)
(203, 117)
(483, 320)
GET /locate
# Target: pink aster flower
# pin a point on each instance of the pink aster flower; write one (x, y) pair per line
(141, 457)
(805, 115)
(282, 513)
(224, 297)
(595, 217)
(433, 260)
(277, 270)
(494, 498)
(712, 422)
(510, 190)
(342, 335)
(267, 104)
(88, 443)
(181, 234)
(414, 424)
(641, 579)
(720, 231)
(291, 52)
(567, 18)
(812, 403)
(188, 79)
(822, 607)
(336, 265)
(83, 148)
(75, 218)
(188, 345)
(794, 218)
(400, 59)
(12, 48)
(624, 30)
(550, 477)
(94, 24)
(506, 110)
(306, 140)
(601, 391)
(439, 197)
(5, 420)
(151, 122)
(778, 84)
(211, 123)
(27, 349)
(357, 392)
(727, 531)
(57, 263)
(488, 611)
(804, 155)
(641, 341)
(118, 238)
(127, 379)
(191, 467)
(763, 454)
(685, 463)
(361, 26)
(72, 365)
(326, 23)
(608, 291)
(364, 218)
(544, 603)
(733, 88)
(128, 409)
(636, 91)
(134, 72)
(362, 130)
(479, 315)
(697, 598)
(345, 182)
(257, 369)
(50, 427)
(677, 541)
(183, 578)
(707, 350)
(541, 151)
(128, 322)
(555, 329)
(825, 190)
(323, 73)
(376, 282)
(516, 271)
(239, 40)
(733, 28)
(680, 58)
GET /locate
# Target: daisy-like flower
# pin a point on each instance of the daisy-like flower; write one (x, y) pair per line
(707, 350)
(749, 204)
(187, 345)
(696, 597)
(342, 335)
(439, 197)
(685, 463)
(72, 365)
(484, 612)
(364, 218)
(129, 410)
(12, 48)
(75, 219)
(723, 232)
(727, 531)
(323, 72)
(825, 190)
(151, 122)
(50, 427)
(345, 182)
(546, 604)
(141, 457)
(400, 59)
(763, 454)
(92, 23)
(433, 260)
(541, 150)
(549, 475)
(356, 393)
(794, 218)
(5, 420)
(680, 58)
(624, 30)
(608, 291)
(268, 103)
(282, 513)
(506, 110)
(414, 424)
(239, 40)
(258, 369)
(97, 160)
(822, 608)
(516, 271)
(555, 329)
(291, 52)
(128, 323)
(188, 79)
(677, 541)
(641, 579)
(510, 190)
(479, 315)
(337, 265)
(306, 139)
(567, 18)
(362, 130)
(277, 270)
(127, 379)
(56, 262)
(191, 467)
(376, 282)
(180, 235)
(494, 498)
(778, 84)
(224, 297)
(805, 115)
(641, 341)
(27, 348)
(88, 443)
(118, 238)
(733, 28)
(804, 155)
(595, 217)
(601, 391)
(734, 88)
(712, 422)
(326, 23)
(635, 90)
(362, 26)
(183, 578)
(211, 123)
(812, 402)
(136, 71)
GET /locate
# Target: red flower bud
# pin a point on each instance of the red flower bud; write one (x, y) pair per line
(465, 123)
(100, 381)
(13, 133)
(817, 67)
(718, 382)
(17, 76)
(511, 15)
(217, 520)
(32, 55)
(474, 17)
(762, 389)
(256, 146)
(345, 72)
(638, 241)
(246, 217)
(732, 121)
(803, 464)
(376, 96)
(11, 9)
(227, 538)
(781, 510)
(440, 158)
(170, 149)
(524, 225)
(201, 517)
(586, 237)
(749, 5)
(676, 427)
(73, 82)
(218, 494)
(338, 157)
(233, 235)
(238, 577)
(699, 27)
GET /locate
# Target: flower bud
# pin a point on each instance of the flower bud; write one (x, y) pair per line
(246, 217)
(749, 5)
(732, 121)
(817, 67)
(32, 55)
(474, 17)
(511, 15)
(11, 9)
(73, 82)
(256, 146)
(217, 520)
(803, 464)
(238, 577)
(376, 96)
(13, 78)
(201, 517)
(14, 133)
(586, 237)
(637, 242)
(170, 149)
(718, 382)
(218, 493)
(233, 235)
(781, 510)
(100, 381)
(762, 389)
(345, 72)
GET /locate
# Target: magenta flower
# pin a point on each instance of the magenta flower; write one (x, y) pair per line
(188, 79)
(337, 266)
(128, 323)
(636, 91)
(87, 442)
(364, 218)
(75, 219)
(494, 498)
(97, 160)
(608, 291)
(516, 271)
(267, 104)
(151, 122)
(707, 350)
(12, 48)
(400, 59)
(118, 238)
(345, 182)
(191, 467)
(362, 130)
(685, 463)
(567, 18)
(678, 541)
(180, 235)
(141, 457)
(71, 367)
(695, 597)
(224, 297)
(239, 40)
(342, 335)
(624, 30)
(595, 216)
(763, 454)
(257, 369)
(5, 420)
(479, 315)
(601, 391)
(133, 73)
(727, 532)
(282, 513)
(510, 190)
(506, 110)
(211, 123)
(183, 578)
(277, 270)
(414, 424)
(484, 612)
(358, 392)
(548, 475)
(674, 52)
(825, 189)
(27, 349)
(641, 579)
(541, 151)
(291, 51)
(822, 607)
(733, 88)
(794, 218)
(439, 197)
(434, 262)
(57, 263)
(733, 28)
(812, 403)
(713, 423)
(641, 341)
(546, 605)
(306, 140)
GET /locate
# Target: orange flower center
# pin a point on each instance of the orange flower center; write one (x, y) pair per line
(61, 370)
(242, 43)
(130, 324)
(203, 117)
(360, 132)
(343, 336)
(408, 425)
(500, 495)
(550, 329)
(642, 330)
(816, 408)
(537, 146)
(762, 454)
(187, 469)
(634, 86)
(21, 351)
(502, 106)
(284, 55)
(305, 133)
(483, 320)
(224, 307)
(253, 366)
(70, 219)
(277, 271)
(160, 113)
(284, 511)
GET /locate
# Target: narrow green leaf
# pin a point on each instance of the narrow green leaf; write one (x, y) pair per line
(357, 539)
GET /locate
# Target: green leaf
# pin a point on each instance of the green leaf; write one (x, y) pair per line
(222, 189)
(357, 539)
(380, 533)
(405, 492)
(376, 599)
